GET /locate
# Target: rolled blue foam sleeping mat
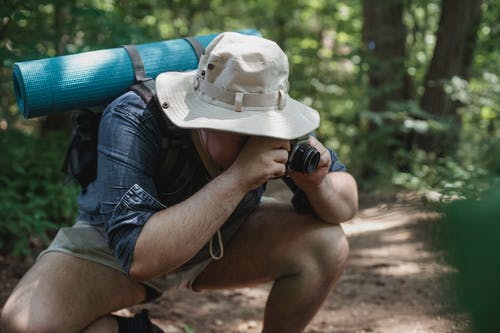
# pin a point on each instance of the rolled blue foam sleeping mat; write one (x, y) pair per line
(87, 79)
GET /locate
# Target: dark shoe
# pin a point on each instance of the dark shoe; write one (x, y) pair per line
(152, 328)
(140, 323)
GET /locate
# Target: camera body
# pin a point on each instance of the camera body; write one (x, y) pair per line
(303, 157)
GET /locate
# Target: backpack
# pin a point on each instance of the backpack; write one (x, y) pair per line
(80, 162)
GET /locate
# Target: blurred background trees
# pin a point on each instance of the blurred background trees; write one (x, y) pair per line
(408, 90)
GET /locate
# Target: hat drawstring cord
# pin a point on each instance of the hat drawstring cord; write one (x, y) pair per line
(221, 246)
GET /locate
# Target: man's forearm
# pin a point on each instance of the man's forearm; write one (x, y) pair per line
(173, 235)
(335, 200)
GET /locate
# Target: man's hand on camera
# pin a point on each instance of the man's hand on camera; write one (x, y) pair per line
(307, 181)
(260, 160)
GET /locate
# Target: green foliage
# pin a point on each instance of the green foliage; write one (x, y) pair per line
(470, 234)
(329, 70)
(33, 199)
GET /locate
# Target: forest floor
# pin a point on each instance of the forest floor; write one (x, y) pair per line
(395, 282)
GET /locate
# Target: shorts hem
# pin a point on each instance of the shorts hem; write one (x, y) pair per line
(152, 292)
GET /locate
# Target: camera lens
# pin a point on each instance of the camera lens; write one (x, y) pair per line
(304, 158)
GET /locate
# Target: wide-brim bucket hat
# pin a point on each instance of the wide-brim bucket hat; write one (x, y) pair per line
(241, 85)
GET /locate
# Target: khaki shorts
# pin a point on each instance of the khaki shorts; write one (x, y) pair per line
(88, 242)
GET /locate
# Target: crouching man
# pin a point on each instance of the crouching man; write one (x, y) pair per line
(147, 225)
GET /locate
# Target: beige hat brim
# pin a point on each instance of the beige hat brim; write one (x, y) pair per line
(187, 108)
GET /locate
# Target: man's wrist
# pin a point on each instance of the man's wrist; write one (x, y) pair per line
(311, 188)
(234, 182)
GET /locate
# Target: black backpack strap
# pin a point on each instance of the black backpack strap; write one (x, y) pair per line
(139, 72)
(145, 87)
(196, 45)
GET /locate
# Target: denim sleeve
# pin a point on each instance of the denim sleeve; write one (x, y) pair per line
(299, 199)
(128, 152)
(129, 216)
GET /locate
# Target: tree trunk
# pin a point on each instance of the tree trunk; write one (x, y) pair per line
(384, 37)
(61, 20)
(453, 54)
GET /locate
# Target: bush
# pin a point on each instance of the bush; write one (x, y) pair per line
(469, 234)
(34, 200)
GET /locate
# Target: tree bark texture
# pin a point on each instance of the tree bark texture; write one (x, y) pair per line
(61, 20)
(384, 38)
(453, 55)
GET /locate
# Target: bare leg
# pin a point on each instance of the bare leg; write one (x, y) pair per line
(62, 293)
(302, 255)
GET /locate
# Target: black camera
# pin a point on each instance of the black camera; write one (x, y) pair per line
(303, 158)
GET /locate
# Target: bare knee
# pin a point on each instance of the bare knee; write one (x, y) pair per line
(25, 311)
(336, 250)
(9, 322)
(326, 251)
(18, 319)
(15, 322)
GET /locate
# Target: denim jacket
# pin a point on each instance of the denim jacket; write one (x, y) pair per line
(125, 193)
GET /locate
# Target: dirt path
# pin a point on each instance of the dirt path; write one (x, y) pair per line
(393, 283)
